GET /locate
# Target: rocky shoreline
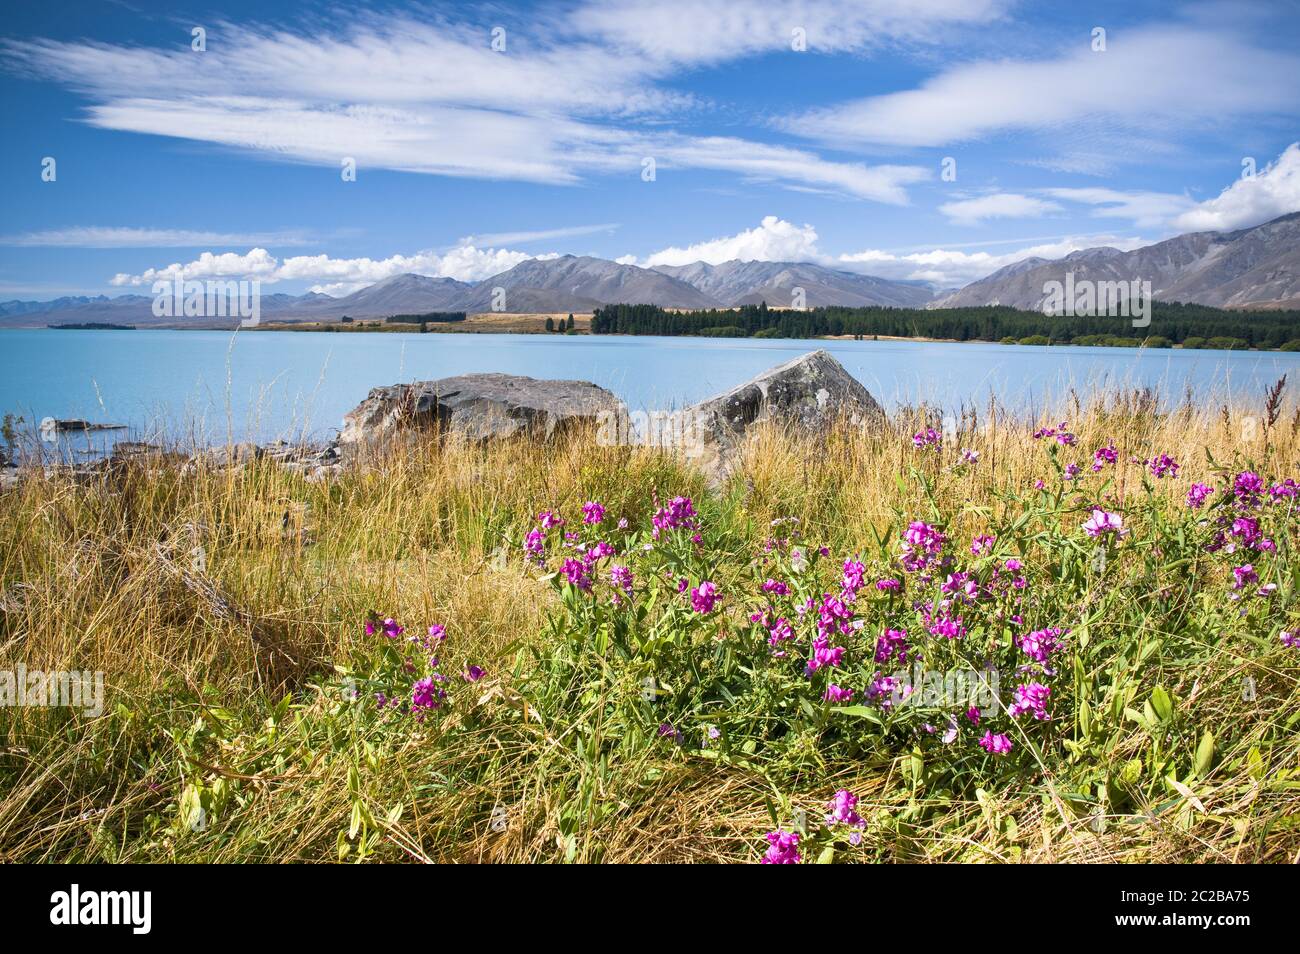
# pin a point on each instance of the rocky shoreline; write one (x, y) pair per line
(809, 392)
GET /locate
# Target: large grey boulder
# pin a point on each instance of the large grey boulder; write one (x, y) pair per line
(808, 393)
(476, 407)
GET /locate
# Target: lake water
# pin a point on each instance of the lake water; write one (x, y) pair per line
(210, 385)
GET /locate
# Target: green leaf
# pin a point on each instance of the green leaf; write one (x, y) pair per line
(827, 857)
(862, 712)
(1161, 702)
(1255, 763)
(1149, 717)
(1204, 755)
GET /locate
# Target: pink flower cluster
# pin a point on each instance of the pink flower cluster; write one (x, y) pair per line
(922, 546)
(389, 625)
(1162, 465)
(842, 810)
(1103, 456)
(1032, 698)
(1041, 644)
(1102, 522)
(704, 597)
(997, 744)
(927, 438)
(679, 514)
(783, 848)
(1061, 432)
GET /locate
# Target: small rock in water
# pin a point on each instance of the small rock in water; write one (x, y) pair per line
(55, 425)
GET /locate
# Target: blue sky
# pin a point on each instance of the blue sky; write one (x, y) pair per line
(227, 160)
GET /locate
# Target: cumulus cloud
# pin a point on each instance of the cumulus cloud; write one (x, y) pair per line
(773, 240)
(999, 205)
(1271, 192)
(776, 240)
(335, 275)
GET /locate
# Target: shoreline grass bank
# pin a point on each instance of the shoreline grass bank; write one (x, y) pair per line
(571, 714)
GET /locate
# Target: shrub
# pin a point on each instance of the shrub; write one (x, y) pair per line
(1222, 343)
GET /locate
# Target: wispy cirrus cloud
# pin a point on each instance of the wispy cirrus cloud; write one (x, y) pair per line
(1150, 81)
(537, 235)
(997, 205)
(432, 96)
(692, 32)
(98, 236)
(1143, 209)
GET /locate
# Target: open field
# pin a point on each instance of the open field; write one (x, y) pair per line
(1148, 675)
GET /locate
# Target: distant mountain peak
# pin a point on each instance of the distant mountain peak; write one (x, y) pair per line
(1254, 267)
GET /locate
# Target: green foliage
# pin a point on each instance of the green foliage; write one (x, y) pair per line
(1172, 322)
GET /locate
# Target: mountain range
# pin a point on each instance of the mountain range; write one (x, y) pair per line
(1250, 268)
(1257, 267)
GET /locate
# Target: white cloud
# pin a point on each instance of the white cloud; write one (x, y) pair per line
(1148, 80)
(464, 263)
(691, 31)
(433, 98)
(97, 236)
(1273, 191)
(257, 263)
(791, 167)
(538, 235)
(1143, 209)
(999, 205)
(952, 268)
(776, 240)
(773, 240)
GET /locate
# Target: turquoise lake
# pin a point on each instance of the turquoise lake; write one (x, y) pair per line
(209, 386)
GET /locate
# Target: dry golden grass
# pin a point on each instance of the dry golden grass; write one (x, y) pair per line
(98, 573)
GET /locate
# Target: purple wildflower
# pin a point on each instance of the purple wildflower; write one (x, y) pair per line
(783, 848)
(995, 744)
(704, 597)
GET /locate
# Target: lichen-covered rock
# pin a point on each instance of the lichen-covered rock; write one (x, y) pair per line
(810, 392)
(476, 407)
